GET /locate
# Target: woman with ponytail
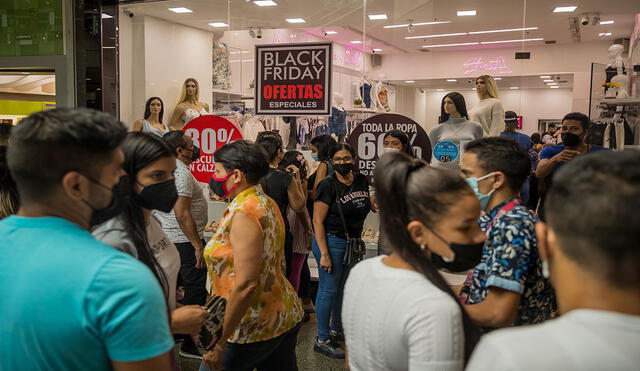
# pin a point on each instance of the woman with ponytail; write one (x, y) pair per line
(430, 218)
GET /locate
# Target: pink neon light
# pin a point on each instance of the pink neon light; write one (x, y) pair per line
(477, 64)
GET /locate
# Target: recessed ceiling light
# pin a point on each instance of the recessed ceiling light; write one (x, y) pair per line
(548, 80)
(409, 81)
(445, 45)
(504, 30)
(432, 36)
(440, 89)
(106, 16)
(218, 24)
(497, 78)
(377, 17)
(552, 83)
(416, 24)
(511, 41)
(514, 88)
(554, 87)
(295, 20)
(466, 13)
(475, 88)
(356, 42)
(330, 32)
(181, 10)
(265, 3)
(452, 80)
(564, 9)
(377, 50)
(607, 22)
(604, 34)
(545, 77)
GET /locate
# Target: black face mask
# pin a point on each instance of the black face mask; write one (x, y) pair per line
(121, 194)
(465, 256)
(343, 169)
(158, 196)
(195, 153)
(570, 139)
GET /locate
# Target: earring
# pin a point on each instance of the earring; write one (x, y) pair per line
(423, 247)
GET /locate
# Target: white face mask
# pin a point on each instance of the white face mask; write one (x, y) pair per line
(390, 150)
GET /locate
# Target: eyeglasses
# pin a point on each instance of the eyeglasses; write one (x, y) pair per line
(343, 159)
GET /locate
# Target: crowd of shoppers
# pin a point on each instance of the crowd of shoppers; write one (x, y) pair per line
(104, 263)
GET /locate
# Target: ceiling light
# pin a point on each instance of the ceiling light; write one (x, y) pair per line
(604, 34)
(554, 87)
(409, 81)
(445, 45)
(552, 83)
(431, 36)
(377, 17)
(606, 22)
(377, 50)
(545, 77)
(514, 88)
(451, 80)
(265, 3)
(505, 30)
(218, 24)
(295, 20)
(564, 9)
(106, 16)
(416, 24)
(548, 80)
(440, 89)
(356, 42)
(181, 10)
(330, 32)
(465, 13)
(511, 41)
(497, 78)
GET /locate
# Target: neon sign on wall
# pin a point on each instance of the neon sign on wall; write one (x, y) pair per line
(474, 65)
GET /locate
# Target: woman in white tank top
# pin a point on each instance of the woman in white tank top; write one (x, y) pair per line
(152, 122)
(189, 107)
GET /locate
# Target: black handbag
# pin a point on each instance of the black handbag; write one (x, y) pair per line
(356, 248)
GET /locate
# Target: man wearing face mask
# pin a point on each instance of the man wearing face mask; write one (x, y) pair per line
(185, 227)
(591, 254)
(507, 287)
(79, 303)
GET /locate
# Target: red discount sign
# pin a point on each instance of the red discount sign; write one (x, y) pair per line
(209, 133)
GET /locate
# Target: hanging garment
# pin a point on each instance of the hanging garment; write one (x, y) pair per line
(365, 92)
(337, 121)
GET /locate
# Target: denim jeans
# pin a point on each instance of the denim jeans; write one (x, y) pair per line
(277, 354)
(330, 287)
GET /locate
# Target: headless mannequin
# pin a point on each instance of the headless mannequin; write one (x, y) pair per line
(615, 55)
(364, 92)
(337, 120)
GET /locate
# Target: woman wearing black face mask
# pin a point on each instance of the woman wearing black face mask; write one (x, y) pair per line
(149, 164)
(429, 215)
(343, 192)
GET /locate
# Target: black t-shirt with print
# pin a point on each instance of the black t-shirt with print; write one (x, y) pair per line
(354, 200)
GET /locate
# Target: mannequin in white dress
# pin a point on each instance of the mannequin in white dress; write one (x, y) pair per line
(615, 55)
(189, 106)
(489, 111)
(152, 122)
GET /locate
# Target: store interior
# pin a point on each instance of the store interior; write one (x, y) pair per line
(25, 91)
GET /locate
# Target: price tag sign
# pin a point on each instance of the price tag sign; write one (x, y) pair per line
(209, 133)
(368, 139)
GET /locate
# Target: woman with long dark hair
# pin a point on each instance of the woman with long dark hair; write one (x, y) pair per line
(149, 164)
(430, 218)
(152, 122)
(455, 129)
(397, 141)
(341, 206)
(321, 147)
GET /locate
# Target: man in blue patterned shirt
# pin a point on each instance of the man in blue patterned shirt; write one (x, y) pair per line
(507, 287)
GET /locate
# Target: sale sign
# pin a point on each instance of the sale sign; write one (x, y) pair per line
(293, 79)
(368, 139)
(209, 133)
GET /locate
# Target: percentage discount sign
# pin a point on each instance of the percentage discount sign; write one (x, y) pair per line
(209, 133)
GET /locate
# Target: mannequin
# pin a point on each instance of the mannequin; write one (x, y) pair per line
(338, 119)
(381, 96)
(189, 107)
(152, 122)
(453, 133)
(364, 92)
(615, 73)
(488, 112)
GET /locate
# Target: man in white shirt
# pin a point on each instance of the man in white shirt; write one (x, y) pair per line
(590, 249)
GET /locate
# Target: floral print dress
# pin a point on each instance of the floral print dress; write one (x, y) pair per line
(275, 307)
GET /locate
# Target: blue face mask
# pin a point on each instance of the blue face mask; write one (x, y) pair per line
(484, 199)
(315, 157)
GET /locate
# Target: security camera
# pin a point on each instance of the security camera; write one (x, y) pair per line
(470, 81)
(129, 13)
(596, 19)
(252, 33)
(259, 33)
(326, 34)
(584, 20)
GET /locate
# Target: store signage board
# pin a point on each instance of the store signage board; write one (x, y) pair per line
(368, 140)
(475, 65)
(293, 79)
(209, 133)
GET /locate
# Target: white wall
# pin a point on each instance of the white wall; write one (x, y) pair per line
(531, 104)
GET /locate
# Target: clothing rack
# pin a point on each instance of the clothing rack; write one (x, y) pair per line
(618, 125)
